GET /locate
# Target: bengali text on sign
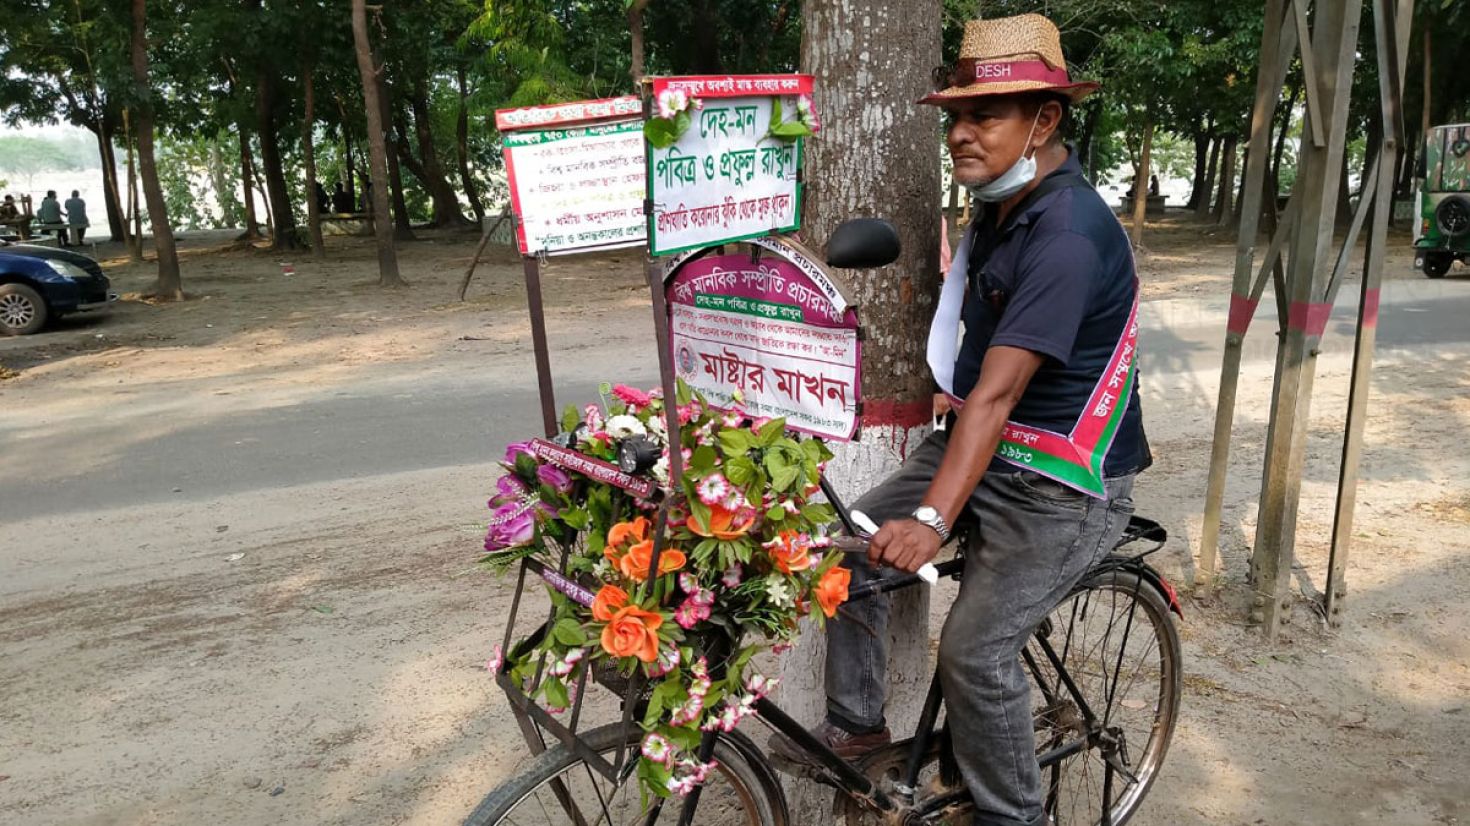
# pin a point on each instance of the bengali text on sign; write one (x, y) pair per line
(577, 188)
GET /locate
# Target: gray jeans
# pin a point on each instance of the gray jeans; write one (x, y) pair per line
(1035, 540)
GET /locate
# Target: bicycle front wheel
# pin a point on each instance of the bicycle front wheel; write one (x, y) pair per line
(1119, 647)
(560, 789)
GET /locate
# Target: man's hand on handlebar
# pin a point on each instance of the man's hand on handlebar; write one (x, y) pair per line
(905, 544)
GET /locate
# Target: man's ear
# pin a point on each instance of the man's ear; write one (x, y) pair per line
(1049, 122)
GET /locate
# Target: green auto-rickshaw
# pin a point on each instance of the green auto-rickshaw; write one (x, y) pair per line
(1443, 233)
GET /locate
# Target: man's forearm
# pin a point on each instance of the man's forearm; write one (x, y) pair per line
(972, 443)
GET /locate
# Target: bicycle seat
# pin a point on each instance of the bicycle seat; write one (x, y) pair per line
(863, 243)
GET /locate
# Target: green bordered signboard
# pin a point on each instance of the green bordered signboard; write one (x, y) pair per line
(734, 171)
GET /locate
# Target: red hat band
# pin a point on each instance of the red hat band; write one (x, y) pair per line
(970, 70)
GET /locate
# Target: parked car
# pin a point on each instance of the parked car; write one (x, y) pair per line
(1443, 233)
(38, 284)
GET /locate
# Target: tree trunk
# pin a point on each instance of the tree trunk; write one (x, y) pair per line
(219, 180)
(1281, 129)
(377, 149)
(347, 168)
(635, 32)
(1224, 207)
(169, 285)
(1201, 156)
(1085, 141)
(308, 153)
(135, 214)
(445, 201)
(870, 140)
(282, 217)
(1141, 184)
(247, 185)
(706, 58)
(117, 223)
(402, 226)
(1202, 209)
(462, 148)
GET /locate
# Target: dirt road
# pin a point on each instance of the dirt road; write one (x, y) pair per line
(310, 649)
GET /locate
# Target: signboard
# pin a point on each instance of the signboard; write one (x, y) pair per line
(777, 330)
(576, 175)
(726, 178)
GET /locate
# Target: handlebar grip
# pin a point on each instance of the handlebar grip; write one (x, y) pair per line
(926, 572)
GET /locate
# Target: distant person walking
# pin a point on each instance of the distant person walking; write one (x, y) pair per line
(76, 217)
(49, 216)
(341, 201)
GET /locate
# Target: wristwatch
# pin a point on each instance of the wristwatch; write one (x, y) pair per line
(930, 516)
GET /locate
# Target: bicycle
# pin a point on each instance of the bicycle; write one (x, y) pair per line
(1081, 717)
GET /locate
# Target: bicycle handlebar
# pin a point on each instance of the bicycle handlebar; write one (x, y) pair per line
(859, 544)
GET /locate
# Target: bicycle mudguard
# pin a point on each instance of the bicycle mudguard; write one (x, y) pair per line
(1146, 573)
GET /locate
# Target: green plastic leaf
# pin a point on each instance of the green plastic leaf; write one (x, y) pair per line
(735, 442)
(569, 633)
(740, 471)
(703, 460)
(771, 431)
(775, 114)
(791, 130)
(660, 133)
(556, 693)
(570, 418)
(776, 514)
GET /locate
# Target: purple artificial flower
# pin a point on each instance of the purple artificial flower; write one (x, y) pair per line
(515, 449)
(511, 526)
(554, 478)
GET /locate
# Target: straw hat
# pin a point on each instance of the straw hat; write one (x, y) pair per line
(1006, 56)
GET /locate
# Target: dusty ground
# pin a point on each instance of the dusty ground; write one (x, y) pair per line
(313, 654)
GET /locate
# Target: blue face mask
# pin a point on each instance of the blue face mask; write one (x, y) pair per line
(1013, 180)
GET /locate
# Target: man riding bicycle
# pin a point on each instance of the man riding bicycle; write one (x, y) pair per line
(1034, 346)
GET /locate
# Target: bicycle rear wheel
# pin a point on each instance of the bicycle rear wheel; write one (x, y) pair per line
(560, 788)
(1118, 644)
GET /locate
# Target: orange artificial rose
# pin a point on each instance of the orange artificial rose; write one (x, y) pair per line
(789, 553)
(634, 564)
(624, 532)
(632, 632)
(723, 523)
(832, 590)
(608, 601)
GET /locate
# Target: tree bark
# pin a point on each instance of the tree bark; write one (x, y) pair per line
(402, 226)
(117, 223)
(635, 32)
(377, 149)
(169, 285)
(876, 155)
(444, 200)
(1141, 183)
(1201, 156)
(1224, 206)
(462, 148)
(247, 185)
(135, 235)
(1085, 141)
(1202, 209)
(308, 152)
(283, 219)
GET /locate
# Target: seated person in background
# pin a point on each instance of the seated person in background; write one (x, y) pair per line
(1153, 186)
(8, 210)
(49, 216)
(341, 201)
(323, 203)
(76, 216)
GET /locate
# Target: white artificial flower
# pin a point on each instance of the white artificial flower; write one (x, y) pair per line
(779, 592)
(621, 427)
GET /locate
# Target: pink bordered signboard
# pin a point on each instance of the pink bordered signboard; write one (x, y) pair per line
(774, 334)
(728, 165)
(576, 175)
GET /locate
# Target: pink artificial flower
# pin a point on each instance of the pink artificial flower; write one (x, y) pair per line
(760, 685)
(714, 489)
(657, 749)
(688, 711)
(514, 526)
(790, 506)
(592, 417)
(668, 660)
(690, 613)
(760, 422)
(731, 577)
(632, 396)
(516, 449)
(496, 661)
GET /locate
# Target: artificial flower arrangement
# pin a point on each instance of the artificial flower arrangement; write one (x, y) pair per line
(745, 555)
(675, 115)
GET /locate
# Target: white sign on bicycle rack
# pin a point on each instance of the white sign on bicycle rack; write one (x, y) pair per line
(727, 178)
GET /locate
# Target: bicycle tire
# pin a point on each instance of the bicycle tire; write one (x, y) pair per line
(887, 765)
(1165, 713)
(756, 790)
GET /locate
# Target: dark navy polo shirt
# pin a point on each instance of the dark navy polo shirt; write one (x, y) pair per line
(1058, 280)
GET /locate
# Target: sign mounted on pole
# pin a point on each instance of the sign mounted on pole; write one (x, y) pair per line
(776, 329)
(724, 158)
(576, 175)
